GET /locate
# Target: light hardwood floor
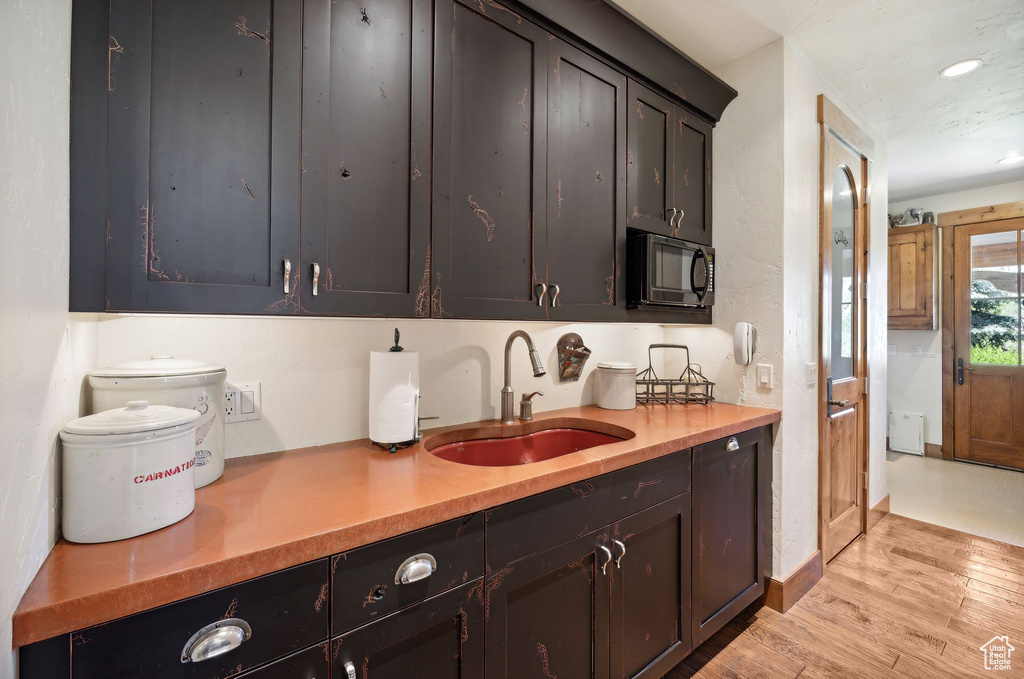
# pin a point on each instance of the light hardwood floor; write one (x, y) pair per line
(909, 599)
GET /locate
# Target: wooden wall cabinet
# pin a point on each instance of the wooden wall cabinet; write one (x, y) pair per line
(404, 158)
(668, 186)
(912, 280)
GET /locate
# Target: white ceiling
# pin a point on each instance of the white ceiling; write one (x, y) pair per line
(885, 57)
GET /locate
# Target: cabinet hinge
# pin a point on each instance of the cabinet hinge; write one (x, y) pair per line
(865, 475)
(866, 383)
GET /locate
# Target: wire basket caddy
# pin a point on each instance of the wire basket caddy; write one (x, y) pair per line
(690, 387)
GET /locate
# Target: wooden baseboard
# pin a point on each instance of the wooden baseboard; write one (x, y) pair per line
(933, 450)
(877, 511)
(782, 595)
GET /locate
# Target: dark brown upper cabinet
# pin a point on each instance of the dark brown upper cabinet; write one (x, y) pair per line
(366, 158)
(668, 186)
(731, 527)
(586, 187)
(490, 92)
(203, 169)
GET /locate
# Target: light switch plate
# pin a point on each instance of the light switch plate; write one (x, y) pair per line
(811, 374)
(242, 402)
(764, 375)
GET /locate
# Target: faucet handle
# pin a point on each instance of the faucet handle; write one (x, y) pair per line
(526, 406)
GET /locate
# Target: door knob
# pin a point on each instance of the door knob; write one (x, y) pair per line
(350, 671)
(732, 445)
(840, 404)
(622, 553)
(554, 295)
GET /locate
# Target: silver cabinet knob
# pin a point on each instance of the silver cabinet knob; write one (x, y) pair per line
(415, 568)
(554, 295)
(607, 558)
(350, 671)
(541, 289)
(733, 444)
(622, 552)
(216, 639)
(316, 278)
(287, 276)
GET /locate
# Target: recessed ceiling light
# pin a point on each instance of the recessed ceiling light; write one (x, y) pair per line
(1010, 160)
(960, 68)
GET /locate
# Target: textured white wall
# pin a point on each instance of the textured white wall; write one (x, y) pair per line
(803, 83)
(766, 237)
(915, 382)
(38, 375)
(748, 225)
(314, 372)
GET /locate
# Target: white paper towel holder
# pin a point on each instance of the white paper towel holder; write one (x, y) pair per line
(395, 447)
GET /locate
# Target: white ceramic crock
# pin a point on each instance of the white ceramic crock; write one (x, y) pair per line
(127, 471)
(616, 386)
(169, 381)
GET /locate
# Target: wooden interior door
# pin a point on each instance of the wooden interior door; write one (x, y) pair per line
(988, 285)
(842, 472)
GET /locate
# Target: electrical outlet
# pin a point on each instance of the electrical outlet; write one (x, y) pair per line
(242, 402)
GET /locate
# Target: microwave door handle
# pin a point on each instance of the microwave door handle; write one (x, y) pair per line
(700, 254)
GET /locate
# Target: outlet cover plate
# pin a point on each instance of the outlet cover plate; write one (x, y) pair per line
(242, 402)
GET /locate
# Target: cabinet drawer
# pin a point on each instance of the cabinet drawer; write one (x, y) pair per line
(286, 611)
(527, 526)
(364, 579)
(312, 663)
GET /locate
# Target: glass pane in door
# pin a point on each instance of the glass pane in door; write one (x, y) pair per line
(996, 304)
(843, 235)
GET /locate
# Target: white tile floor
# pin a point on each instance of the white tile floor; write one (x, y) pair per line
(972, 498)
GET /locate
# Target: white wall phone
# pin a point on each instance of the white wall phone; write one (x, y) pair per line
(744, 338)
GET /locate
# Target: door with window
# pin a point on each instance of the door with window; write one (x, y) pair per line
(842, 465)
(988, 284)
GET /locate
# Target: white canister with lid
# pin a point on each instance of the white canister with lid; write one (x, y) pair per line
(127, 471)
(184, 383)
(616, 386)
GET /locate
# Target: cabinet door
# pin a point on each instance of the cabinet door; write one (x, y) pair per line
(203, 155)
(649, 160)
(691, 177)
(650, 590)
(547, 614)
(366, 157)
(731, 500)
(440, 638)
(586, 201)
(911, 277)
(489, 153)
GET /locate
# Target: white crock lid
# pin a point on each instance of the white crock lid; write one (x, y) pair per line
(159, 366)
(138, 416)
(617, 367)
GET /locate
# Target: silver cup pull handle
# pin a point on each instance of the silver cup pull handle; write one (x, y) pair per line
(350, 671)
(287, 276)
(733, 445)
(216, 639)
(622, 553)
(415, 568)
(316, 278)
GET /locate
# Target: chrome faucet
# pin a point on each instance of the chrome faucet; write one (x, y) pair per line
(508, 397)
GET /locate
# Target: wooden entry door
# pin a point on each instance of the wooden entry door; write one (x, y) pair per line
(842, 446)
(988, 392)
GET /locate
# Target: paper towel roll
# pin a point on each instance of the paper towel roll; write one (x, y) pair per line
(394, 395)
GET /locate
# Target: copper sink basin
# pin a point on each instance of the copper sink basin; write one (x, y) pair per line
(523, 443)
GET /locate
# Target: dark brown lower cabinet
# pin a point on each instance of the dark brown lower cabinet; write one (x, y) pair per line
(441, 638)
(650, 590)
(547, 614)
(731, 528)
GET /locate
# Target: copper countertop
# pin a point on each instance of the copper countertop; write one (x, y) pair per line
(269, 512)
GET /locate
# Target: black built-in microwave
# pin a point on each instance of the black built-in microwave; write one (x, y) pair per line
(668, 272)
